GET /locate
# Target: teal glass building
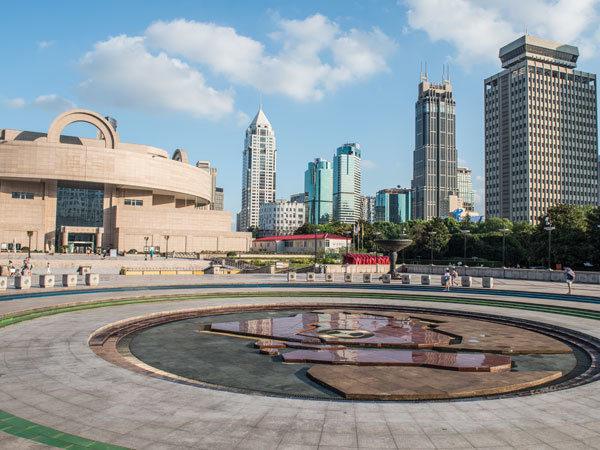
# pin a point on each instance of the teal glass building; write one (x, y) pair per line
(318, 188)
(393, 205)
(346, 184)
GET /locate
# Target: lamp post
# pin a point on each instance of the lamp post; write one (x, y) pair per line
(166, 236)
(465, 232)
(403, 236)
(549, 229)
(504, 231)
(347, 233)
(432, 234)
(316, 231)
(146, 248)
(376, 235)
(29, 234)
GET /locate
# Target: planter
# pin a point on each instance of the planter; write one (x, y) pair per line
(47, 281)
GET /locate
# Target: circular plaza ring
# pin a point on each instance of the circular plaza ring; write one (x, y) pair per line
(347, 351)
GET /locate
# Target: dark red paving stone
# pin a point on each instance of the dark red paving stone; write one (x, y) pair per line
(420, 383)
(464, 362)
(268, 343)
(269, 351)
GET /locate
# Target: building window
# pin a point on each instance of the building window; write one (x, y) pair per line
(23, 195)
(131, 202)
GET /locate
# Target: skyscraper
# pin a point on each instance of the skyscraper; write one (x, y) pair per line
(346, 184)
(541, 137)
(465, 188)
(258, 171)
(318, 185)
(393, 205)
(367, 208)
(434, 157)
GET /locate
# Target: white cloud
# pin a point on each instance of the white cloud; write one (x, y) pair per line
(122, 72)
(315, 56)
(479, 178)
(368, 164)
(45, 44)
(53, 103)
(14, 103)
(477, 29)
(47, 102)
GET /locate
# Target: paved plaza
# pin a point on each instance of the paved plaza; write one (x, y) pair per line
(56, 391)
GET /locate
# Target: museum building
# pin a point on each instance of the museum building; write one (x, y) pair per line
(81, 194)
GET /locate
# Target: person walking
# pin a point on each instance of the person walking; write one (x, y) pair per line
(48, 271)
(446, 278)
(453, 275)
(569, 277)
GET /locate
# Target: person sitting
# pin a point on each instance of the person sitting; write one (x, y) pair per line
(11, 269)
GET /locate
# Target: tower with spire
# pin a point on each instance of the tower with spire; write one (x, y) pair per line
(258, 170)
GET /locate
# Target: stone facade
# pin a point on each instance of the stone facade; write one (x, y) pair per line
(123, 193)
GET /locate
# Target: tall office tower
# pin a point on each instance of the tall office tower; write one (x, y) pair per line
(393, 205)
(258, 171)
(434, 157)
(367, 208)
(219, 200)
(298, 198)
(346, 184)
(205, 165)
(541, 136)
(465, 188)
(318, 185)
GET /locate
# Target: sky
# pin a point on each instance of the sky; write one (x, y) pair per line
(191, 75)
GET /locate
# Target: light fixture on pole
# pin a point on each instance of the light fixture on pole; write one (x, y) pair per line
(465, 232)
(29, 234)
(316, 231)
(504, 231)
(432, 234)
(146, 248)
(347, 233)
(376, 235)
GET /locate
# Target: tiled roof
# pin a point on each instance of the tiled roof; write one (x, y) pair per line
(300, 236)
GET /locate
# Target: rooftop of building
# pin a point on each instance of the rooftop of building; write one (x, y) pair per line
(260, 120)
(535, 48)
(295, 237)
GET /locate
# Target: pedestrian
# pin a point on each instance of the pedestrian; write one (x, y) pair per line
(446, 278)
(151, 252)
(48, 271)
(11, 269)
(569, 277)
(454, 275)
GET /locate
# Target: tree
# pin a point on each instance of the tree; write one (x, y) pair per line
(254, 230)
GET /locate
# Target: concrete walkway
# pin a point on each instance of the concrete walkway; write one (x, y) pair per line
(50, 377)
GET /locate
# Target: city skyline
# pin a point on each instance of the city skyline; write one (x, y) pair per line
(341, 102)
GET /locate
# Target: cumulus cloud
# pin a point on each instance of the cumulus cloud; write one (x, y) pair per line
(314, 56)
(48, 102)
(368, 164)
(45, 44)
(122, 72)
(478, 28)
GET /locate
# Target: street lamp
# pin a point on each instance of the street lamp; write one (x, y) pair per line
(403, 236)
(29, 234)
(376, 234)
(316, 231)
(549, 229)
(432, 234)
(347, 233)
(146, 248)
(504, 231)
(166, 236)
(465, 232)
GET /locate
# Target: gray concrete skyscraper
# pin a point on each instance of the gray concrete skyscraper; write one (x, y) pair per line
(258, 171)
(434, 157)
(541, 136)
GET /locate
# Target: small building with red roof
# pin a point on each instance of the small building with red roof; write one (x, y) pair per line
(300, 243)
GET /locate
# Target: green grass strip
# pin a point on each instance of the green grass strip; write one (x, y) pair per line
(25, 429)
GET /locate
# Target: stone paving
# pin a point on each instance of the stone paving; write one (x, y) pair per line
(51, 377)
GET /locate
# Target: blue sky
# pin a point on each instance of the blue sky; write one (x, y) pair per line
(189, 75)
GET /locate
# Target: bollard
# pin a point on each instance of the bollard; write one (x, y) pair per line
(22, 282)
(487, 282)
(291, 277)
(3, 283)
(329, 277)
(47, 281)
(386, 278)
(426, 280)
(405, 279)
(92, 279)
(348, 277)
(366, 277)
(310, 276)
(69, 279)
(465, 281)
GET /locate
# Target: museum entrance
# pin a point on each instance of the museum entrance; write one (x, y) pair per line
(82, 242)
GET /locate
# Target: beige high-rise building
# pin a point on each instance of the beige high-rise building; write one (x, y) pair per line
(541, 137)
